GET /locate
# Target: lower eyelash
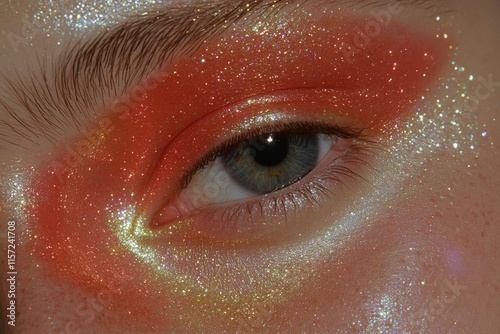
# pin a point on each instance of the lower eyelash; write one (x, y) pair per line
(312, 191)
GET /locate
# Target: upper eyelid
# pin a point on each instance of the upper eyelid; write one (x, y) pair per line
(70, 91)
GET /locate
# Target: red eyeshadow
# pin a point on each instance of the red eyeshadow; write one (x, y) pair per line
(377, 86)
(145, 150)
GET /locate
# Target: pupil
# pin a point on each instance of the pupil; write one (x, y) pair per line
(272, 151)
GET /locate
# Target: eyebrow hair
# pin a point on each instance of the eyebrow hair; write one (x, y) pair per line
(68, 91)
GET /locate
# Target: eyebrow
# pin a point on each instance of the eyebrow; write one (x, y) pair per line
(70, 91)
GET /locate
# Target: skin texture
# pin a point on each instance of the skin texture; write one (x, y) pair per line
(428, 262)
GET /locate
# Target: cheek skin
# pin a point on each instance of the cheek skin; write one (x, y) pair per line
(422, 267)
(402, 277)
(86, 220)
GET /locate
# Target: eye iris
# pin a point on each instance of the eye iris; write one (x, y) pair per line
(273, 161)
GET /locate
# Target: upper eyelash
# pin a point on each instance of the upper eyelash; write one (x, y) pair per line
(298, 127)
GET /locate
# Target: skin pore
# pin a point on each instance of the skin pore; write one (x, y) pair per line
(409, 243)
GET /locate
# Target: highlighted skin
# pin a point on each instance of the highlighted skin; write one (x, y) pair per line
(91, 222)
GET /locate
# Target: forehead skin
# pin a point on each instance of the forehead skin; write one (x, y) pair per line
(471, 209)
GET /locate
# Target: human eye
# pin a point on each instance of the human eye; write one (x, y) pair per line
(264, 175)
(286, 166)
(227, 182)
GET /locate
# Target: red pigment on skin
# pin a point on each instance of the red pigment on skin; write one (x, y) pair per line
(180, 119)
